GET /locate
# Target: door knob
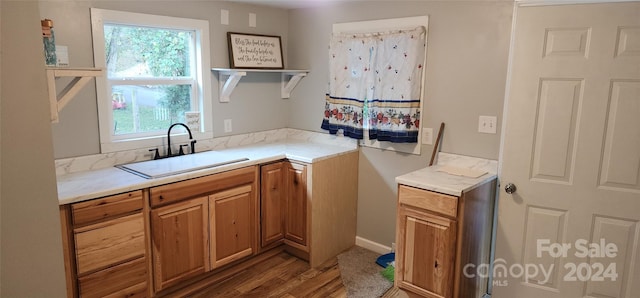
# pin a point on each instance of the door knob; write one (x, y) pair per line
(510, 188)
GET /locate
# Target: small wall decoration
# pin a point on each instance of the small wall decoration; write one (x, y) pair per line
(193, 120)
(254, 51)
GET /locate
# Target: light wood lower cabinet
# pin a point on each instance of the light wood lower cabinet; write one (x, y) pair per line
(272, 204)
(125, 280)
(172, 239)
(206, 228)
(312, 208)
(295, 228)
(437, 235)
(428, 252)
(105, 247)
(180, 241)
(232, 225)
(284, 206)
(114, 241)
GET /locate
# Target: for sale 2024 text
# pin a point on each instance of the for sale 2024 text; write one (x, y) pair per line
(581, 248)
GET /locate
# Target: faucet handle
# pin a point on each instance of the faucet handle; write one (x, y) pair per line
(181, 152)
(156, 154)
(193, 146)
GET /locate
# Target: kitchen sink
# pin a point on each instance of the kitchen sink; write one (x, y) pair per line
(180, 164)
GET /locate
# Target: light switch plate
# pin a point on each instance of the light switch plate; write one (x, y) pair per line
(224, 17)
(427, 136)
(252, 20)
(487, 124)
(227, 125)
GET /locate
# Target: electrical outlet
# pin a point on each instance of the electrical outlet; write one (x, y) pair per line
(427, 136)
(227, 125)
(393, 247)
(487, 124)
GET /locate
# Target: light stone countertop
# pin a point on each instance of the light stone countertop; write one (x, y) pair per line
(91, 184)
(432, 179)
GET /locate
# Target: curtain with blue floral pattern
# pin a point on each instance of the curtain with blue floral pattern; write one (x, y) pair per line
(375, 84)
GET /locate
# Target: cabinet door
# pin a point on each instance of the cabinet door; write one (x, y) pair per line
(232, 220)
(296, 204)
(272, 191)
(426, 253)
(180, 246)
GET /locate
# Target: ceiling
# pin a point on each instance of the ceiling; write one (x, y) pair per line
(292, 4)
(295, 4)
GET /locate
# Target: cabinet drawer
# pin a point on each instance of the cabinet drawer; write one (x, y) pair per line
(107, 243)
(124, 280)
(165, 194)
(436, 202)
(106, 208)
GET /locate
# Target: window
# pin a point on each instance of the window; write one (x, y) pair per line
(157, 72)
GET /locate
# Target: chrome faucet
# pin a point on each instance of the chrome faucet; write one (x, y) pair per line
(193, 142)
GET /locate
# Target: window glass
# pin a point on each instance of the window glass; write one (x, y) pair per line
(152, 59)
(157, 69)
(148, 108)
(147, 52)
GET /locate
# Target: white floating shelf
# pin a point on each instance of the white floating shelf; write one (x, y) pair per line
(81, 76)
(290, 79)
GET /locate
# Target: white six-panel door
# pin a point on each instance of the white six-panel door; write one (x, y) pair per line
(572, 149)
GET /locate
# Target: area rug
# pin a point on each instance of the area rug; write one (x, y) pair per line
(360, 273)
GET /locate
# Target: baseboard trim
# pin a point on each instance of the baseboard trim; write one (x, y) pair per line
(372, 246)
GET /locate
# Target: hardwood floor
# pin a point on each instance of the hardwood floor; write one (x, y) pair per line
(281, 276)
(286, 276)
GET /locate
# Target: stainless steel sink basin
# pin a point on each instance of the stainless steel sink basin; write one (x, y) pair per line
(180, 164)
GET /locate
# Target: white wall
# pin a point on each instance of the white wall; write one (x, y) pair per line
(31, 244)
(467, 51)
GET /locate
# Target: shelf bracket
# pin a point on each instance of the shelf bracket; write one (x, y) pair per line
(80, 79)
(232, 79)
(290, 78)
(289, 81)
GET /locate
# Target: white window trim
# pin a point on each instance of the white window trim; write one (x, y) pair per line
(202, 69)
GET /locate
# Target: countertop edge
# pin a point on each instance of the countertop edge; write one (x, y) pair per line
(443, 178)
(447, 190)
(137, 183)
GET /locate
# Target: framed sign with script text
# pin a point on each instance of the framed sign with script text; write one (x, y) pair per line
(255, 51)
